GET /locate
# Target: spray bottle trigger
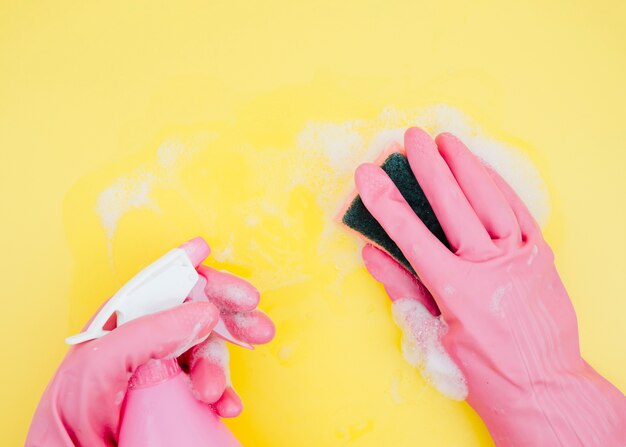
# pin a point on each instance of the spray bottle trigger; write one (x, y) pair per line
(164, 284)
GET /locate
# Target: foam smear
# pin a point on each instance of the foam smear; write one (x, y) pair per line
(133, 191)
(125, 194)
(332, 151)
(215, 350)
(422, 348)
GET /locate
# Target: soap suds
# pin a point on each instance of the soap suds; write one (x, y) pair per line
(287, 351)
(394, 391)
(125, 194)
(214, 349)
(226, 253)
(244, 320)
(330, 152)
(169, 153)
(422, 348)
(498, 295)
(236, 293)
(133, 191)
(341, 142)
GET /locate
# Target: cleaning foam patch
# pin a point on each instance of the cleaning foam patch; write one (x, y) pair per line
(328, 154)
(422, 348)
(332, 151)
(125, 194)
(214, 349)
(133, 191)
(511, 163)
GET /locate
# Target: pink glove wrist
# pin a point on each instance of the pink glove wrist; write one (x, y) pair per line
(82, 404)
(507, 321)
(566, 409)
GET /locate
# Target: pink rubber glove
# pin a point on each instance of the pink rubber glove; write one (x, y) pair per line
(82, 403)
(506, 319)
(237, 301)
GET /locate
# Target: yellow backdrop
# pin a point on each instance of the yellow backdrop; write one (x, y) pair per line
(126, 128)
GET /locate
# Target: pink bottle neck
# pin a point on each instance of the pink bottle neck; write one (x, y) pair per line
(154, 372)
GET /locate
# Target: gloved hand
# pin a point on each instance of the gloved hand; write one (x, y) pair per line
(506, 319)
(81, 405)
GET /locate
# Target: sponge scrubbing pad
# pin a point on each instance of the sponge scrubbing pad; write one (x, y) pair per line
(358, 218)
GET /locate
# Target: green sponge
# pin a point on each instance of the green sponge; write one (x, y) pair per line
(361, 220)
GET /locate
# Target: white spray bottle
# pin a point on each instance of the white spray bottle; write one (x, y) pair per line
(160, 409)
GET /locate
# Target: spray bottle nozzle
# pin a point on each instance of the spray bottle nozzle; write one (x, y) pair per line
(164, 284)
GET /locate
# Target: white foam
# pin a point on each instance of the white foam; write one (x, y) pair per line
(422, 348)
(125, 194)
(214, 348)
(226, 254)
(332, 151)
(394, 391)
(243, 320)
(236, 293)
(498, 295)
(287, 351)
(169, 153)
(133, 190)
(339, 142)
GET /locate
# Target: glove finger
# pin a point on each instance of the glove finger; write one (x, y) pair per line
(209, 369)
(229, 405)
(528, 225)
(397, 280)
(197, 250)
(253, 327)
(227, 291)
(485, 197)
(427, 255)
(164, 334)
(465, 232)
